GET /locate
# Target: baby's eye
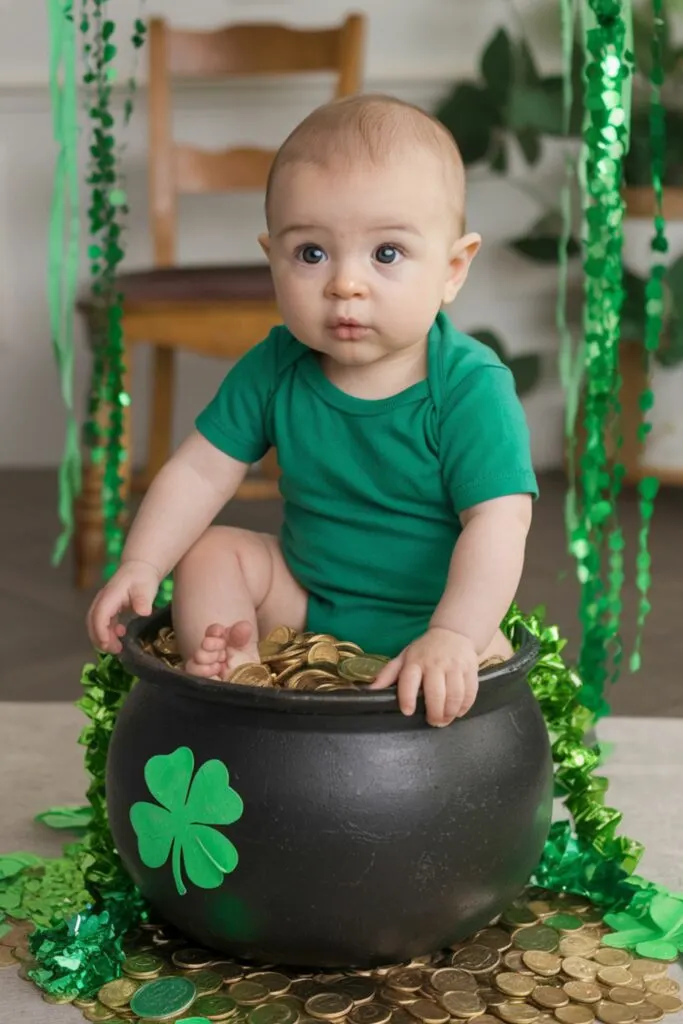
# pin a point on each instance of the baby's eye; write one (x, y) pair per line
(311, 254)
(387, 254)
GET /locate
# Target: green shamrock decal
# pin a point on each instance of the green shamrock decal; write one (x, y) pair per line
(181, 826)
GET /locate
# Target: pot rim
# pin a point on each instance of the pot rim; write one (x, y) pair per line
(494, 682)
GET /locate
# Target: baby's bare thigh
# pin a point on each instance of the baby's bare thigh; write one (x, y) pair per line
(285, 602)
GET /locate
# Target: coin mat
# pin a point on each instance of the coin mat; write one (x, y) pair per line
(294, 661)
(541, 962)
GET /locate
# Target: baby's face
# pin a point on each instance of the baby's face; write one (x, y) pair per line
(363, 260)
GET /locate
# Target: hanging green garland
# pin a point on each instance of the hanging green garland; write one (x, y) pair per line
(106, 213)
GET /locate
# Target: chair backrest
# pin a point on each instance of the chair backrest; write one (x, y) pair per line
(240, 49)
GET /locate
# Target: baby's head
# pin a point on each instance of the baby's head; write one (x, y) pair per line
(365, 210)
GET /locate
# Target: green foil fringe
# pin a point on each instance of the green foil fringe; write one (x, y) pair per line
(78, 944)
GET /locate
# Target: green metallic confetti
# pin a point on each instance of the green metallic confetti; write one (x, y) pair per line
(78, 956)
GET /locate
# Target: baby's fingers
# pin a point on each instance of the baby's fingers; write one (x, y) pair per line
(409, 687)
(434, 686)
(389, 674)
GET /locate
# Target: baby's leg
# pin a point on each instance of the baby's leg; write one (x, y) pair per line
(230, 588)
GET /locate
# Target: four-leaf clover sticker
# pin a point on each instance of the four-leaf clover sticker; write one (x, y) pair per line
(180, 823)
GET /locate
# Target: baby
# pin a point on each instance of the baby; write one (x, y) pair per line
(406, 472)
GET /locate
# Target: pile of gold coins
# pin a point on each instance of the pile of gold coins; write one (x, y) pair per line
(292, 661)
(542, 962)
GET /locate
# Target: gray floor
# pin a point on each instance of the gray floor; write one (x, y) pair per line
(43, 644)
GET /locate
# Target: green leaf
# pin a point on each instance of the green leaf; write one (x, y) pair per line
(530, 143)
(542, 241)
(208, 856)
(539, 107)
(525, 65)
(211, 801)
(496, 67)
(527, 372)
(667, 913)
(74, 818)
(470, 116)
(15, 863)
(154, 827)
(657, 949)
(628, 939)
(168, 777)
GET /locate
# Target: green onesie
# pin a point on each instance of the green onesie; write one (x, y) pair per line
(373, 489)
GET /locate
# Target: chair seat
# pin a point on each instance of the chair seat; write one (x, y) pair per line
(200, 284)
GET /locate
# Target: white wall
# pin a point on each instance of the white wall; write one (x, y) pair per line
(414, 51)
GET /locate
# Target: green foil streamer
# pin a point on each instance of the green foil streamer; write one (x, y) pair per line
(63, 249)
(107, 210)
(654, 318)
(605, 137)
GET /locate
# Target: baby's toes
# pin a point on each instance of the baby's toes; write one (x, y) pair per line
(207, 669)
(213, 644)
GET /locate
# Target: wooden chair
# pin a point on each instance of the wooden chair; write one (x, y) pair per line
(211, 310)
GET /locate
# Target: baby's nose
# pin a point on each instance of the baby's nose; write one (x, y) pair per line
(346, 284)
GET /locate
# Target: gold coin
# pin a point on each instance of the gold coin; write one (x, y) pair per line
(583, 991)
(207, 982)
(304, 988)
(514, 961)
(614, 1013)
(486, 1018)
(496, 938)
(518, 1013)
(579, 969)
(248, 993)
(663, 986)
(281, 635)
(519, 916)
(272, 1013)
(614, 976)
(627, 994)
(143, 966)
(251, 674)
(541, 908)
(395, 997)
(192, 958)
(545, 964)
(348, 648)
(642, 968)
(228, 970)
(55, 999)
(408, 979)
(116, 994)
(276, 983)
(516, 985)
(549, 997)
(578, 944)
(328, 1005)
(451, 979)
(98, 1013)
(429, 1012)
(649, 1013)
(462, 1005)
(361, 990)
(539, 936)
(666, 1002)
(84, 1004)
(323, 651)
(491, 996)
(370, 1013)
(574, 1014)
(609, 957)
(361, 668)
(476, 959)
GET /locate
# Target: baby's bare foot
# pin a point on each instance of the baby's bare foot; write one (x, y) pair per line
(222, 650)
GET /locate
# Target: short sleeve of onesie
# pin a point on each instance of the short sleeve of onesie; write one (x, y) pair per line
(485, 451)
(236, 421)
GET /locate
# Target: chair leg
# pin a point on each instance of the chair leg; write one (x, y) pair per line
(161, 418)
(88, 543)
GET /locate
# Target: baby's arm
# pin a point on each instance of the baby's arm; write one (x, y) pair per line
(484, 573)
(196, 482)
(485, 569)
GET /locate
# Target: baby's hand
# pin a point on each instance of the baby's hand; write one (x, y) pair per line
(445, 665)
(134, 585)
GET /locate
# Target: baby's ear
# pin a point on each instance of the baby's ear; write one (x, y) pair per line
(463, 252)
(264, 242)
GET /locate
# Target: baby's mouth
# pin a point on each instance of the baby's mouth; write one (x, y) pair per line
(347, 329)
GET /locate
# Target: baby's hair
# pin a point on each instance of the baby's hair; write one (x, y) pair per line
(371, 127)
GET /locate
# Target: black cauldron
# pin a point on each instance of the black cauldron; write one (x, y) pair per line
(325, 829)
